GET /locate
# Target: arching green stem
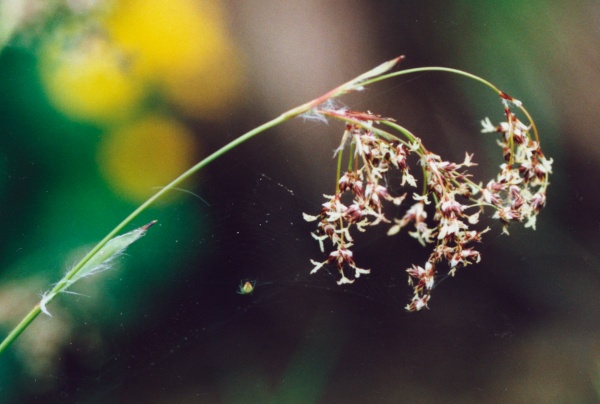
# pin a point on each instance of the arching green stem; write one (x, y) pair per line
(431, 69)
(33, 313)
(372, 76)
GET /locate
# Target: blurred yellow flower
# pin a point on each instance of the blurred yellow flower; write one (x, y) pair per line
(99, 69)
(139, 157)
(86, 78)
(182, 47)
(166, 36)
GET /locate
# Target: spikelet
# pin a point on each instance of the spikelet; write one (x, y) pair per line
(99, 262)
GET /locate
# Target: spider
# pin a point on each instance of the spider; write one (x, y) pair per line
(246, 288)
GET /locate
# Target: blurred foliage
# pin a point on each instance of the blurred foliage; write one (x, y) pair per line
(93, 122)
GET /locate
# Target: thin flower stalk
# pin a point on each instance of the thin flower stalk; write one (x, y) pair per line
(355, 84)
(517, 194)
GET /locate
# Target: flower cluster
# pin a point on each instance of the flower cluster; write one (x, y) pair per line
(372, 159)
(449, 186)
(517, 194)
(519, 190)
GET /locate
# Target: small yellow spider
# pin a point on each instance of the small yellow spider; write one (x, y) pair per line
(246, 288)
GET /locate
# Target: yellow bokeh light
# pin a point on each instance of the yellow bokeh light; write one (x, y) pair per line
(87, 79)
(182, 47)
(100, 69)
(167, 36)
(143, 156)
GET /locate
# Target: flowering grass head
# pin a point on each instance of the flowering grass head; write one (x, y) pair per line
(375, 146)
